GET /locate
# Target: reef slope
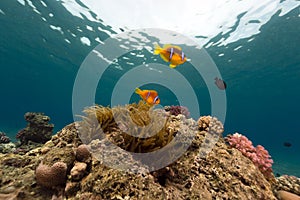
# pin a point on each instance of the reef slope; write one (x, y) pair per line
(220, 173)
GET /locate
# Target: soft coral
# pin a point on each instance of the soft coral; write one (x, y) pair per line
(258, 155)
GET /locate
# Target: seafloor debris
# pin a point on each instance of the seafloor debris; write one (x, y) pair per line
(38, 129)
(223, 173)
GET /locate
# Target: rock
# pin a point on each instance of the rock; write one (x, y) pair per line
(283, 195)
(78, 171)
(38, 129)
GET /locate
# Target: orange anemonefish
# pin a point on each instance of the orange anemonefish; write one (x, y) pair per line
(150, 96)
(220, 83)
(170, 53)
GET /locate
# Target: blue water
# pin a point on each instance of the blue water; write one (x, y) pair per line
(38, 70)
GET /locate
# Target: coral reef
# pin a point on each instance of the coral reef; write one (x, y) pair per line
(78, 171)
(258, 155)
(211, 125)
(289, 184)
(4, 138)
(7, 147)
(176, 110)
(222, 173)
(38, 129)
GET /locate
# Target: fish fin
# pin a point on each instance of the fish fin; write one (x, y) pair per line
(138, 90)
(153, 92)
(167, 46)
(173, 65)
(177, 47)
(157, 49)
(164, 58)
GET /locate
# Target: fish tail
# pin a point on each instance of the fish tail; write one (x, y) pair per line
(138, 90)
(157, 49)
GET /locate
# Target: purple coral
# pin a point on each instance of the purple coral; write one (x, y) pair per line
(258, 155)
(4, 138)
(176, 110)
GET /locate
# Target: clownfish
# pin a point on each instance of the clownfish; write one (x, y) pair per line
(150, 96)
(170, 53)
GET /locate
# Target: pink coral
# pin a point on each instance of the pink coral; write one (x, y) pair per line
(258, 155)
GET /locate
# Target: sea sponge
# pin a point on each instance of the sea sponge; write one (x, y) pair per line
(51, 176)
(258, 155)
(82, 153)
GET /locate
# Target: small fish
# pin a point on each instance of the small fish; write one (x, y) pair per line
(170, 53)
(150, 96)
(287, 144)
(220, 83)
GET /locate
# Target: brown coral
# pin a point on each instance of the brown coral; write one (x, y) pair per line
(82, 153)
(51, 176)
(210, 124)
